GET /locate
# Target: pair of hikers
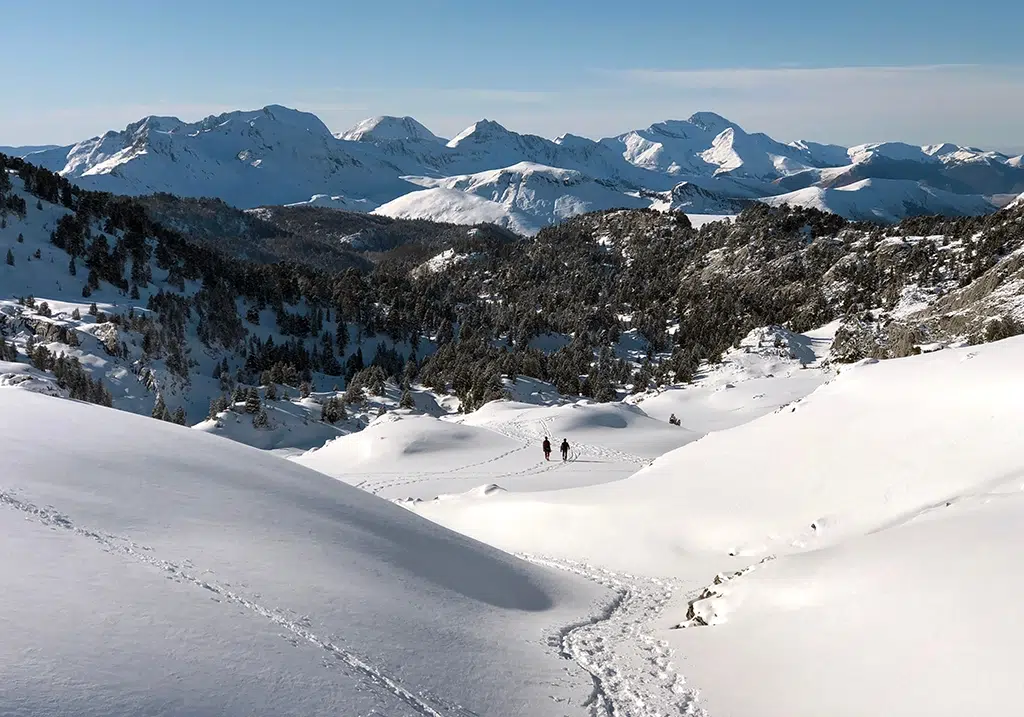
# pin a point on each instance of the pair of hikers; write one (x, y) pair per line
(564, 447)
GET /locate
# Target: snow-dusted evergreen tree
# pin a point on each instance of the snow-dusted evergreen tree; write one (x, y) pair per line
(407, 400)
(252, 401)
(261, 419)
(160, 411)
(10, 258)
(179, 416)
(333, 410)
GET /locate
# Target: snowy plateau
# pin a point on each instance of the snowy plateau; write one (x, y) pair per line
(824, 517)
(395, 166)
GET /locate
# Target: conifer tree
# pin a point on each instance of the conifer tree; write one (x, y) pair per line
(261, 419)
(252, 401)
(179, 416)
(160, 409)
(10, 258)
(407, 400)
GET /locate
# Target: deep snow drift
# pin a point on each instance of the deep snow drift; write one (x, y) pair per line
(150, 569)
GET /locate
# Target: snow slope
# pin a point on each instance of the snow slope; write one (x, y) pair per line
(150, 569)
(853, 533)
(918, 619)
(452, 206)
(885, 200)
(25, 150)
(281, 156)
(524, 197)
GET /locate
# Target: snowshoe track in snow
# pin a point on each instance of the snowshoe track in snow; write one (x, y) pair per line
(633, 672)
(297, 628)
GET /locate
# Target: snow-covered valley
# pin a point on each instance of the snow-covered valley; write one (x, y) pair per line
(355, 515)
(802, 520)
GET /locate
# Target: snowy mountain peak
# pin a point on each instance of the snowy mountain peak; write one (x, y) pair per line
(276, 155)
(712, 122)
(569, 140)
(386, 128)
(938, 150)
(482, 131)
(152, 123)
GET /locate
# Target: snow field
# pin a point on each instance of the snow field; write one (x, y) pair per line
(156, 570)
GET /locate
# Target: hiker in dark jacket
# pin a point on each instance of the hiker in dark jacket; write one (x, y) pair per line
(565, 450)
(547, 449)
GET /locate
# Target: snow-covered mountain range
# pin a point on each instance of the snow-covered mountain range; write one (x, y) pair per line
(397, 167)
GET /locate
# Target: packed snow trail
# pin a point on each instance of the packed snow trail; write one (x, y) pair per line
(517, 431)
(633, 672)
(366, 672)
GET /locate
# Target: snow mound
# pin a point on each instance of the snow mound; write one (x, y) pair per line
(453, 207)
(153, 569)
(410, 443)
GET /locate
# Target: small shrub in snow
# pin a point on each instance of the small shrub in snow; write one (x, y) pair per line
(1002, 328)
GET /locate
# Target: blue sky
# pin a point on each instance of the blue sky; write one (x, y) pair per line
(825, 70)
